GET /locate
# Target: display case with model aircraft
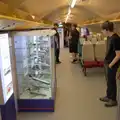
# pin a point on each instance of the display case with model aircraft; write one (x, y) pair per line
(35, 66)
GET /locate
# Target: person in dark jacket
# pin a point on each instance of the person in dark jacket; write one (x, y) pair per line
(112, 60)
(57, 44)
(74, 38)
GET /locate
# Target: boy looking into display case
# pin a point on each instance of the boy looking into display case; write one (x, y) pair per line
(112, 60)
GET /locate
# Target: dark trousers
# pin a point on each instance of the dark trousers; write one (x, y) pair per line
(65, 43)
(106, 71)
(57, 53)
(111, 83)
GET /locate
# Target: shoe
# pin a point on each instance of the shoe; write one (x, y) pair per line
(74, 60)
(104, 99)
(111, 103)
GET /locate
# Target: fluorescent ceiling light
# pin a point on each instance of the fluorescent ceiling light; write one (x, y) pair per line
(69, 11)
(73, 3)
(66, 21)
(33, 16)
(66, 18)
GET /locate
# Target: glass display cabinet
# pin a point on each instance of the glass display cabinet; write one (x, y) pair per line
(35, 67)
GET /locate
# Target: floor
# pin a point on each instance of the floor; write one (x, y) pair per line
(77, 96)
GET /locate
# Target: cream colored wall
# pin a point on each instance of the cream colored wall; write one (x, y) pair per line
(93, 28)
(96, 28)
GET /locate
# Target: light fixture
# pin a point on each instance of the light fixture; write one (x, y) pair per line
(73, 3)
(66, 19)
(60, 22)
(33, 16)
(69, 11)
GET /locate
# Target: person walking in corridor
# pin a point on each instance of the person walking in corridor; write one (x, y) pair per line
(74, 38)
(112, 60)
(57, 44)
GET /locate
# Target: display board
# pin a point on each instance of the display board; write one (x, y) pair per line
(5, 65)
(84, 31)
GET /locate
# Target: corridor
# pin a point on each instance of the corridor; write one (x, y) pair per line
(77, 96)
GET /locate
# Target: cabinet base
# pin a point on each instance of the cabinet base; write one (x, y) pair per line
(8, 111)
(36, 105)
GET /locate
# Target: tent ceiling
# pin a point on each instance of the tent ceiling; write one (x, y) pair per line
(85, 11)
(18, 24)
(9, 24)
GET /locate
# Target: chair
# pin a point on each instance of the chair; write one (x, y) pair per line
(89, 37)
(88, 51)
(94, 40)
(99, 37)
(100, 51)
(88, 58)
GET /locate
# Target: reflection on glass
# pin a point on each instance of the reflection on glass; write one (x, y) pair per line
(33, 63)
